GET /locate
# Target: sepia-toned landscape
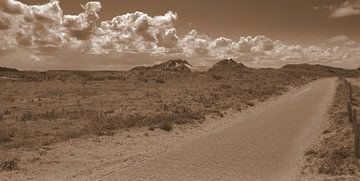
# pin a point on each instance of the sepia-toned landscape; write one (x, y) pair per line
(88, 94)
(41, 110)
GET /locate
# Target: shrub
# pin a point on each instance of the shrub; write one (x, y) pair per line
(4, 138)
(166, 126)
(9, 165)
(225, 86)
(217, 77)
(310, 152)
(103, 125)
(7, 112)
(160, 80)
(26, 116)
(251, 104)
(151, 128)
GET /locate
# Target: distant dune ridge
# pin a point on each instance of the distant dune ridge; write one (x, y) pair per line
(228, 64)
(183, 66)
(320, 69)
(5, 69)
(177, 65)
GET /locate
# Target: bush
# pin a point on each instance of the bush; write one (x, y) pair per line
(26, 116)
(251, 104)
(151, 128)
(9, 165)
(7, 112)
(103, 125)
(225, 86)
(217, 77)
(166, 126)
(4, 138)
(160, 80)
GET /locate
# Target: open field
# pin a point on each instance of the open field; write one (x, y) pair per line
(43, 108)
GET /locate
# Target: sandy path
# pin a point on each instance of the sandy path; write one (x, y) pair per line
(268, 145)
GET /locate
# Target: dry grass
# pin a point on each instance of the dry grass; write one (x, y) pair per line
(42, 108)
(9, 165)
(334, 156)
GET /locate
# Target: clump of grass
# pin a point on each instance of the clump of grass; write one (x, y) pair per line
(310, 152)
(102, 125)
(160, 80)
(166, 126)
(27, 116)
(251, 104)
(5, 138)
(48, 115)
(225, 86)
(217, 77)
(9, 165)
(7, 112)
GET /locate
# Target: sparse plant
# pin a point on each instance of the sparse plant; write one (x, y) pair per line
(217, 77)
(4, 137)
(50, 115)
(9, 165)
(7, 112)
(310, 152)
(160, 80)
(166, 126)
(102, 125)
(225, 86)
(147, 94)
(251, 104)
(27, 116)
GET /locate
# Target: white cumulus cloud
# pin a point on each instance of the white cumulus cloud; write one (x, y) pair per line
(44, 33)
(344, 9)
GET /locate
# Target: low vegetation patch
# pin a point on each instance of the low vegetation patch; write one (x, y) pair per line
(103, 124)
(9, 165)
(166, 126)
(42, 108)
(334, 156)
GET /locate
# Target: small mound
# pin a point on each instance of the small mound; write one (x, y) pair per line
(319, 70)
(228, 64)
(171, 65)
(5, 69)
(174, 65)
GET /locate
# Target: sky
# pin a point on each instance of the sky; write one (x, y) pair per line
(118, 35)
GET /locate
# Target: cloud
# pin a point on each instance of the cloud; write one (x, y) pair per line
(4, 23)
(345, 9)
(348, 8)
(44, 38)
(339, 38)
(82, 26)
(12, 6)
(137, 32)
(37, 26)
